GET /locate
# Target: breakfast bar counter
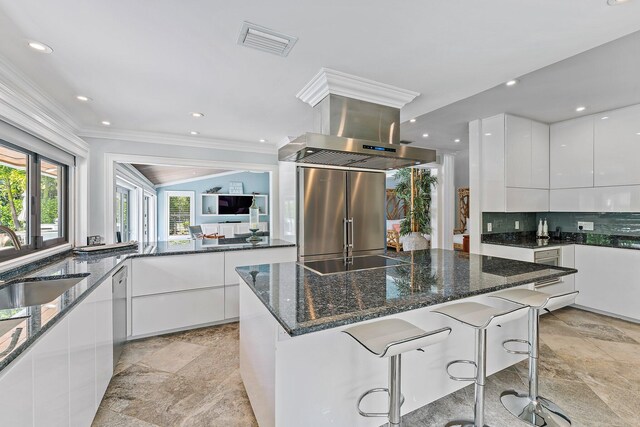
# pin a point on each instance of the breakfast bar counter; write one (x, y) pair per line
(291, 317)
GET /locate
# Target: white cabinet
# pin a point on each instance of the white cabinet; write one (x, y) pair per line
(571, 154)
(104, 338)
(231, 301)
(514, 165)
(16, 383)
(155, 275)
(82, 362)
(153, 314)
(607, 279)
(235, 259)
(617, 147)
(51, 376)
(596, 199)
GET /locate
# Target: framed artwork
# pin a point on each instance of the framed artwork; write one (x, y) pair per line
(235, 188)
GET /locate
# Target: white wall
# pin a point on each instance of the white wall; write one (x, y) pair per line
(99, 148)
(461, 177)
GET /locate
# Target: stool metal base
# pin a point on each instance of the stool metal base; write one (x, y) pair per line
(541, 412)
(466, 423)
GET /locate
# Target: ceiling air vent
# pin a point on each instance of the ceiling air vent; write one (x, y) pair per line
(266, 40)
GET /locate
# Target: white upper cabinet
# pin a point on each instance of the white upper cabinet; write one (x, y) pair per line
(571, 154)
(539, 155)
(514, 165)
(617, 147)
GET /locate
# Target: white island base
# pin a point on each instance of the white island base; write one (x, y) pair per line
(314, 380)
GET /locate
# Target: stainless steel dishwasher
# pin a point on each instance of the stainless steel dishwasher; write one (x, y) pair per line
(119, 287)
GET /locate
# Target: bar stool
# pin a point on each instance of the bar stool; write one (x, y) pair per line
(480, 317)
(531, 407)
(390, 338)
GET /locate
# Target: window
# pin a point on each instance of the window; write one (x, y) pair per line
(180, 214)
(33, 201)
(123, 213)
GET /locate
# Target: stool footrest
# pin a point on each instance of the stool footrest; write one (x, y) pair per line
(374, 414)
(508, 350)
(468, 362)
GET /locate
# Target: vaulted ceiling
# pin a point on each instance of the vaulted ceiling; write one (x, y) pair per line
(147, 64)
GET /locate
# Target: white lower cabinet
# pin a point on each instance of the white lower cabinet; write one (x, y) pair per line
(171, 311)
(51, 376)
(16, 383)
(231, 302)
(82, 362)
(57, 381)
(607, 279)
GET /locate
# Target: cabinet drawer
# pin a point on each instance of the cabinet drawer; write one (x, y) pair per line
(154, 275)
(175, 310)
(231, 302)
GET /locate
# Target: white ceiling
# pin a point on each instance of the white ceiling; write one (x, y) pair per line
(603, 78)
(162, 175)
(148, 63)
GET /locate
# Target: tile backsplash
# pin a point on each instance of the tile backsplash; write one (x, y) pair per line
(604, 223)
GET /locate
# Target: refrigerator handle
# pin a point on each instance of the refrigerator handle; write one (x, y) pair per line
(351, 240)
(344, 235)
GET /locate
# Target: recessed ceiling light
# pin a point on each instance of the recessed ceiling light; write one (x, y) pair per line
(511, 82)
(193, 132)
(412, 121)
(195, 114)
(487, 134)
(263, 140)
(604, 118)
(83, 98)
(425, 135)
(637, 133)
(40, 47)
(106, 123)
(615, 2)
(456, 140)
(580, 108)
(309, 151)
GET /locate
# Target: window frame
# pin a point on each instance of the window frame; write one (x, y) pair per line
(192, 211)
(34, 207)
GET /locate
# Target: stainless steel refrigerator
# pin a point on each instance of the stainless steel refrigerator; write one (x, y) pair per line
(340, 213)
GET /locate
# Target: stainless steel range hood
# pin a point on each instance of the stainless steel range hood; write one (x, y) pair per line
(356, 134)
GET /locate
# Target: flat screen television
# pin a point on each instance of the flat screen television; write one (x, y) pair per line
(234, 205)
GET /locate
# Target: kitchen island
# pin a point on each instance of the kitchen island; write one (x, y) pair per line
(291, 318)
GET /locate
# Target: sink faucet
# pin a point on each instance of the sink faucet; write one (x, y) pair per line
(14, 237)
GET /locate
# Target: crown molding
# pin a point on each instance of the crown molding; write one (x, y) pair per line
(338, 83)
(25, 106)
(183, 141)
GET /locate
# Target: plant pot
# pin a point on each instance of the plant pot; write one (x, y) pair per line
(415, 242)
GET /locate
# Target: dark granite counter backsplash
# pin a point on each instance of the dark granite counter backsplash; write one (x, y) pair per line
(303, 301)
(528, 240)
(19, 327)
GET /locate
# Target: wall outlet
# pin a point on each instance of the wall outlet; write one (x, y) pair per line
(586, 226)
(489, 227)
(517, 225)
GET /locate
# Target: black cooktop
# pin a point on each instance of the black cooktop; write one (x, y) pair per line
(343, 265)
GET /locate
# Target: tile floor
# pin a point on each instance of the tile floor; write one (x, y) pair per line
(590, 366)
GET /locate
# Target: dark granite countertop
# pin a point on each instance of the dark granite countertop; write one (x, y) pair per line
(528, 240)
(303, 301)
(93, 268)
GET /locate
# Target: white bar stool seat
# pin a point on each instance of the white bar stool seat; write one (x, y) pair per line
(390, 338)
(480, 317)
(531, 407)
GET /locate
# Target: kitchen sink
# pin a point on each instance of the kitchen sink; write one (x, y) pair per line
(38, 291)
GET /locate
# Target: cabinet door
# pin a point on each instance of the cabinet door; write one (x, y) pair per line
(539, 155)
(176, 310)
(51, 376)
(617, 147)
(231, 302)
(210, 228)
(571, 154)
(104, 338)
(82, 362)
(518, 151)
(527, 200)
(16, 383)
(492, 173)
(154, 275)
(607, 280)
(235, 259)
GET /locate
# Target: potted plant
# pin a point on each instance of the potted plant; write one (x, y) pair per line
(413, 188)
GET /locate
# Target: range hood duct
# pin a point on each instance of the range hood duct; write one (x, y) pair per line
(356, 134)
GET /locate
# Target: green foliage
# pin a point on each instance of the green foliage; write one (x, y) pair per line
(13, 183)
(49, 200)
(421, 209)
(180, 215)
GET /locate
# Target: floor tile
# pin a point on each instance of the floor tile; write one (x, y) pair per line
(173, 356)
